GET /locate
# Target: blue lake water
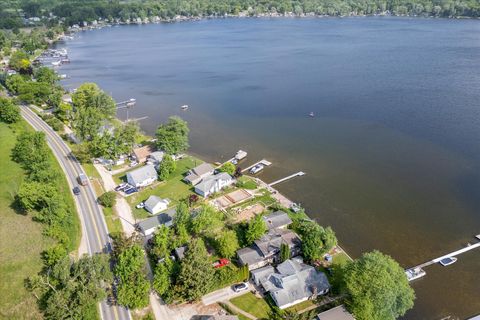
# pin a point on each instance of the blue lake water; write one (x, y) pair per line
(392, 155)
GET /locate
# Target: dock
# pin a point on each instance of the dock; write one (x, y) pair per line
(298, 174)
(263, 161)
(451, 254)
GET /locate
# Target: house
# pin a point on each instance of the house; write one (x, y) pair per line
(195, 175)
(266, 250)
(142, 153)
(155, 158)
(291, 282)
(212, 184)
(337, 313)
(148, 226)
(156, 204)
(277, 220)
(143, 176)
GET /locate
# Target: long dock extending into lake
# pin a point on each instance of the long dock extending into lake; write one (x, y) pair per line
(298, 174)
(451, 254)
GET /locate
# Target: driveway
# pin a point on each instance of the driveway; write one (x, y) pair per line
(223, 295)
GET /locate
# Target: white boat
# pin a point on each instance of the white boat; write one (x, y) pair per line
(447, 261)
(240, 155)
(257, 168)
(311, 114)
(415, 273)
(184, 107)
(56, 63)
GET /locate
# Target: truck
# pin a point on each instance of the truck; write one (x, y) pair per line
(82, 179)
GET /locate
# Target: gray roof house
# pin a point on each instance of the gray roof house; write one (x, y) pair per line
(292, 282)
(156, 204)
(212, 184)
(155, 157)
(195, 175)
(142, 176)
(148, 226)
(337, 313)
(266, 250)
(277, 219)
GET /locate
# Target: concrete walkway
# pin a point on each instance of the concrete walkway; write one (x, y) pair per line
(238, 310)
(122, 207)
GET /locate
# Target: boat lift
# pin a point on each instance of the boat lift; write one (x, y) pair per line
(128, 104)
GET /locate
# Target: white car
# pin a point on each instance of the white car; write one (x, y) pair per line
(257, 168)
(141, 205)
(239, 287)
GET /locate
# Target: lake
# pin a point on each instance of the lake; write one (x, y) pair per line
(392, 155)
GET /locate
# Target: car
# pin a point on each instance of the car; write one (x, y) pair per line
(141, 205)
(257, 168)
(131, 190)
(239, 287)
(121, 186)
(133, 163)
(76, 190)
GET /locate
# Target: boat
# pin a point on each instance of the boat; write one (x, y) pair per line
(447, 261)
(184, 107)
(65, 60)
(311, 114)
(257, 169)
(56, 63)
(240, 155)
(415, 273)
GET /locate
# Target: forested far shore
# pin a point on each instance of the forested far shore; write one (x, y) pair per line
(16, 13)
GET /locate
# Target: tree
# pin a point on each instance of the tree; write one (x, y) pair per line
(108, 199)
(256, 229)
(206, 220)
(14, 82)
(20, 62)
(172, 137)
(377, 288)
(161, 242)
(162, 276)
(316, 240)
(9, 112)
(228, 167)
(227, 243)
(196, 271)
(92, 108)
(46, 75)
(167, 166)
(284, 252)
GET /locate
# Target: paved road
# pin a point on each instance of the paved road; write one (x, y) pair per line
(93, 223)
(223, 295)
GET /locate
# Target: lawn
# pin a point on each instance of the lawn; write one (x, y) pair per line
(301, 306)
(21, 240)
(253, 305)
(174, 188)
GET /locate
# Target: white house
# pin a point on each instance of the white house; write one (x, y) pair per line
(155, 204)
(195, 175)
(143, 176)
(212, 184)
(148, 226)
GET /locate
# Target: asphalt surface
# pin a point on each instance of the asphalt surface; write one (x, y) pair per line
(91, 215)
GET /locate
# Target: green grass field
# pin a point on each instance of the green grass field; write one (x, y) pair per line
(174, 188)
(253, 305)
(21, 240)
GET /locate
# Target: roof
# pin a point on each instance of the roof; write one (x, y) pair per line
(338, 313)
(271, 242)
(143, 152)
(208, 182)
(153, 222)
(262, 273)
(277, 219)
(199, 171)
(294, 281)
(249, 255)
(143, 173)
(152, 201)
(157, 155)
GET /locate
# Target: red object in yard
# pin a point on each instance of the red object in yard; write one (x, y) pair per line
(221, 263)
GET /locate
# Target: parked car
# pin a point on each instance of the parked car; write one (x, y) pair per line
(76, 190)
(133, 163)
(121, 186)
(221, 263)
(141, 205)
(257, 168)
(131, 190)
(239, 287)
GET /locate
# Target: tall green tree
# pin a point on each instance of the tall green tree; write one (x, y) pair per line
(92, 108)
(172, 137)
(229, 168)
(227, 243)
(377, 288)
(206, 220)
(256, 229)
(167, 167)
(161, 242)
(196, 271)
(9, 112)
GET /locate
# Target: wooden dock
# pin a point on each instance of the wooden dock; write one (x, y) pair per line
(298, 174)
(451, 254)
(263, 161)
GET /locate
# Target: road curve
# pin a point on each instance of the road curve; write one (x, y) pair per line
(91, 215)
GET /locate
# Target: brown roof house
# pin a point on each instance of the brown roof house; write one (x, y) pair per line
(142, 153)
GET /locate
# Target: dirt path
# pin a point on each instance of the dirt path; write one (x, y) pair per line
(238, 310)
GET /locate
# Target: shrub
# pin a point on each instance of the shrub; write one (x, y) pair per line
(9, 112)
(108, 199)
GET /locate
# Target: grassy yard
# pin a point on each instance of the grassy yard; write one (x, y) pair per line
(174, 188)
(253, 305)
(21, 241)
(301, 306)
